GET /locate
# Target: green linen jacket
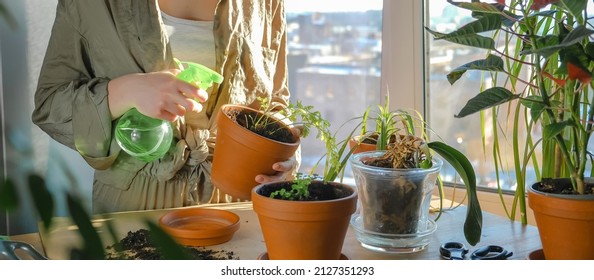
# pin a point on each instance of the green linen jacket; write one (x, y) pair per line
(94, 41)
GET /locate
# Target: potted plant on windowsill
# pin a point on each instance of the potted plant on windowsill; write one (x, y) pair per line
(396, 182)
(250, 141)
(551, 44)
(308, 217)
(379, 138)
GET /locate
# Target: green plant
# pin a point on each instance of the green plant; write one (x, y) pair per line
(335, 159)
(397, 135)
(385, 125)
(299, 189)
(543, 50)
(92, 246)
(266, 121)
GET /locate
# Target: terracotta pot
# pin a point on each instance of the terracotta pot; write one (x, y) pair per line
(565, 224)
(360, 147)
(304, 230)
(241, 154)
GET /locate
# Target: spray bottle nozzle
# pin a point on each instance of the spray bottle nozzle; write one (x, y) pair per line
(198, 74)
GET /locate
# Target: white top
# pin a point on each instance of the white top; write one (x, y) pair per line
(191, 40)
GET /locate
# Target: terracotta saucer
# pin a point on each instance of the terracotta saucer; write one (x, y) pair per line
(200, 227)
(264, 256)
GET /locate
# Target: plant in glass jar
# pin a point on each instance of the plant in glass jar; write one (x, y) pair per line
(396, 180)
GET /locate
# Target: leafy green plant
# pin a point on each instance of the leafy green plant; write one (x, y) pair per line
(299, 189)
(92, 247)
(268, 119)
(336, 156)
(543, 50)
(338, 153)
(406, 147)
(385, 125)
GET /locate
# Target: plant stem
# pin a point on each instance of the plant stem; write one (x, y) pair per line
(549, 109)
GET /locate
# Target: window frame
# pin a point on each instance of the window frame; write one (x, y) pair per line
(403, 61)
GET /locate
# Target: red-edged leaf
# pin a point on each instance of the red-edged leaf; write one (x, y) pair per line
(557, 81)
(576, 72)
(539, 4)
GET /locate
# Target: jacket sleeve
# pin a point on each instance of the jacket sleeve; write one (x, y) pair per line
(70, 102)
(280, 92)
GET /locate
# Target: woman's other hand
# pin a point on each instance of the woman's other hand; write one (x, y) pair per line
(158, 95)
(285, 170)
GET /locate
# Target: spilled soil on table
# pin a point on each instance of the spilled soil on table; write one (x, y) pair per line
(137, 245)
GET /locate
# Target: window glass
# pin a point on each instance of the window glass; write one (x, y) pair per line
(445, 100)
(334, 59)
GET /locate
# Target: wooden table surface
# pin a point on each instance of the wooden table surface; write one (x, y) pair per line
(247, 243)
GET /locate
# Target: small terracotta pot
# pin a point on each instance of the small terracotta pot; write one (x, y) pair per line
(565, 224)
(359, 147)
(241, 154)
(304, 230)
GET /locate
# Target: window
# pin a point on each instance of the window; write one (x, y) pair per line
(351, 53)
(445, 100)
(334, 60)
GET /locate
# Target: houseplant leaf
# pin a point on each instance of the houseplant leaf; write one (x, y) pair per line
(552, 130)
(574, 7)
(478, 7)
(535, 104)
(468, 34)
(491, 63)
(489, 98)
(167, 246)
(474, 216)
(92, 243)
(8, 195)
(44, 202)
(576, 35)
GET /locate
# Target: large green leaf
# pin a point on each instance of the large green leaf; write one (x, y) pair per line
(552, 130)
(480, 7)
(468, 34)
(492, 63)
(535, 104)
(474, 216)
(589, 49)
(576, 54)
(486, 99)
(575, 36)
(574, 7)
(166, 245)
(44, 202)
(92, 244)
(9, 198)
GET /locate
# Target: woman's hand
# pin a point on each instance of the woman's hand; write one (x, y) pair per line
(285, 170)
(158, 95)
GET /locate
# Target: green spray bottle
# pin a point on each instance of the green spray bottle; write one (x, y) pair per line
(148, 139)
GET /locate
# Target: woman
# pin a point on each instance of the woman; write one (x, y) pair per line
(106, 57)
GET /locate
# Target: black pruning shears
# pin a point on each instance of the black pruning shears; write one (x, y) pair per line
(491, 252)
(453, 251)
(457, 251)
